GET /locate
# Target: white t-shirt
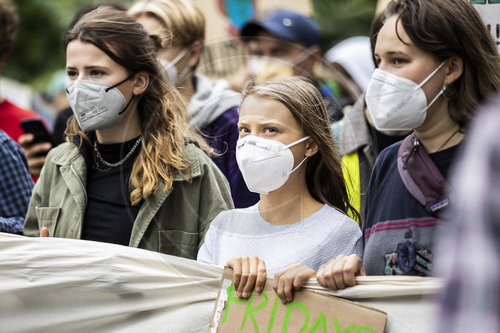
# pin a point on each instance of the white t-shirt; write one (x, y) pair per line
(312, 241)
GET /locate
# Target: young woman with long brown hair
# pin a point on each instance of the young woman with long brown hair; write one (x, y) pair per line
(131, 172)
(286, 152)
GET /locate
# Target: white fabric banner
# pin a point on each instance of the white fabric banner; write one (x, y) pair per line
(64, 285)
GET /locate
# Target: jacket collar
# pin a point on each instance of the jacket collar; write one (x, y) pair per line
(73, 152)
(71, 155)
(68, 153)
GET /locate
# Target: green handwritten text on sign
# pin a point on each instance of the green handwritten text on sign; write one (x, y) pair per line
(262, 314)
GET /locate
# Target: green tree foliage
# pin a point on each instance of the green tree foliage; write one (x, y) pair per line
(340, 19)
(38, 48)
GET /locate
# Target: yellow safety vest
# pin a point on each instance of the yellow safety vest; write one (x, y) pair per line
(350, 169)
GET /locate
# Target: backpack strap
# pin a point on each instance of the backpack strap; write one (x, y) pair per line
(420, 175)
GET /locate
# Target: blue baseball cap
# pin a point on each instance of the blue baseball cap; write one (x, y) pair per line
(285, 24)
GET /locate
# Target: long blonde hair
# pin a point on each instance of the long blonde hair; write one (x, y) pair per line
(182, 20)
(161, 107)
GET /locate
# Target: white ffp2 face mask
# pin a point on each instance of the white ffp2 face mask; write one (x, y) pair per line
(265, 164)
(96, 105)
(396, 103)
(170, 70)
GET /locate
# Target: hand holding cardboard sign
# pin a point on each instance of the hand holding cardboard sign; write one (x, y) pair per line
(340, 272)
(290, 279)
(248, 272)
(309, 312)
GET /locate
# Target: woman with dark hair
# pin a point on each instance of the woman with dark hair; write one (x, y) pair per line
(286, 153)
(436, 63)
(131, 172)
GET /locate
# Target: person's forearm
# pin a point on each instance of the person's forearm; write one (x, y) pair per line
(13, 225)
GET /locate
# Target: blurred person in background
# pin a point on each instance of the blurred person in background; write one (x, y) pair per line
(469, 249)
(353, 57)
(56, 91)
(10, 114)
(55, 95)
(286, 42)
(15, 185)
(52, 100)
(211, 107)
(358, 140)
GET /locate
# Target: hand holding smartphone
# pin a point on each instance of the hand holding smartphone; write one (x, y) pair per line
(37, 128)
(37, 148)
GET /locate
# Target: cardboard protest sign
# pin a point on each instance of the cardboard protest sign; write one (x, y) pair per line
(309, 312)
(490, 13)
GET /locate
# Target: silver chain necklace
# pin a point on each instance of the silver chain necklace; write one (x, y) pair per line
(114, 165)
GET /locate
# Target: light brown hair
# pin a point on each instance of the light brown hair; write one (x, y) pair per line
(324, 177)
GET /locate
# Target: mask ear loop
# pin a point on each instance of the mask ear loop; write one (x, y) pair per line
(298, 166)
(301, 57)
(427, 80)
(182, 73)
(430, 76)
(126, 106)
(179, 56)
(305, 158)
(116, 85)
(297, 142)
(175, 61)
(434, 99)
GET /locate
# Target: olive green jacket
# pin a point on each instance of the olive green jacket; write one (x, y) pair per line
(173, 221)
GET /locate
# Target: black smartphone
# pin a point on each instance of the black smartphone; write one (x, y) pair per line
(38, 129)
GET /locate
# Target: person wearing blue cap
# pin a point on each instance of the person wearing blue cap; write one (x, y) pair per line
(286, 42)
(288, 25)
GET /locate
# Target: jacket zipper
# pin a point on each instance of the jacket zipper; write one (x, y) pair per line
(80, 181)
